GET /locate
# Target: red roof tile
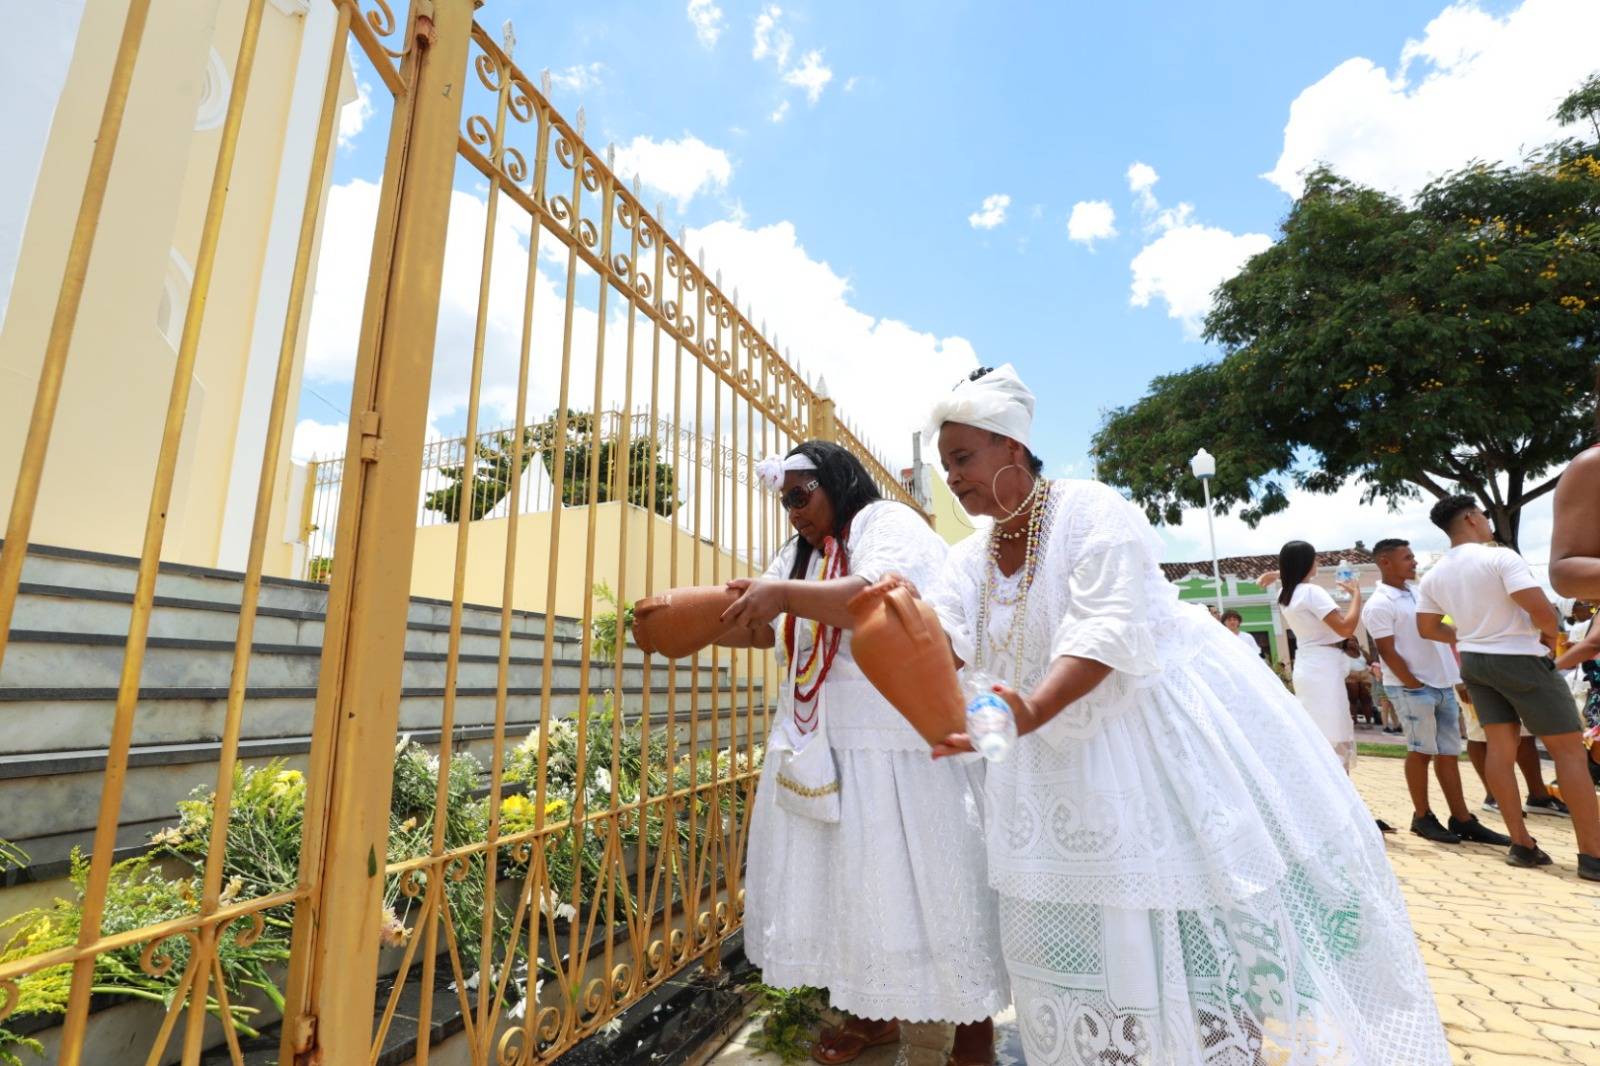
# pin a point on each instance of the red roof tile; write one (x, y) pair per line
(1251, 566)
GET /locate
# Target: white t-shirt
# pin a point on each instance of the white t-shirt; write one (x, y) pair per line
(1250, 642)
(1473, 584)
(1392, 612)
(1307, 608)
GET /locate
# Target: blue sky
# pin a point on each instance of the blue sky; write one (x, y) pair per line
(844, 154)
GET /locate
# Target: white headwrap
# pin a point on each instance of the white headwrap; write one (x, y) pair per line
(771, 469)
(998, 402)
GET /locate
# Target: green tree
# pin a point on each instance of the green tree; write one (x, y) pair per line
(491, 480)
(1439, 346)
(643, 464)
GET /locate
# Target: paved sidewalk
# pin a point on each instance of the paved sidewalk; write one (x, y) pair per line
(1513, 955)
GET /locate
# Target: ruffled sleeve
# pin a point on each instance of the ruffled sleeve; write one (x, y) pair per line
(894, 539)
(1106, 614)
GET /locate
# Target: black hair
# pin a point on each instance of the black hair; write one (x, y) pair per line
(848, 486)
(1035, 464)
(1231, 613)
(1387, 545)
(1295, 560)
(1447, 510)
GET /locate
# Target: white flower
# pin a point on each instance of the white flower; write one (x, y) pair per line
(770, 471)
(611, 1028)
(567, 911)
(602, 779)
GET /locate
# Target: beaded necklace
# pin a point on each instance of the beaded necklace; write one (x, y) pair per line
(810, 675)
(1038, 521)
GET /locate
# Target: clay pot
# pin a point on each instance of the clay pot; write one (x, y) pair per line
(898, 643)
(680, 622)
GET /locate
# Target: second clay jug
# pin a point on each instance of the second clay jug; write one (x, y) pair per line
(680, 622)
(901, 648)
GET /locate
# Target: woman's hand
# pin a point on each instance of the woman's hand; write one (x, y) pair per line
(1352, 589)
(760, 601)
(954, 744)
(898, 581)
(1267, 578)
(1022, 712)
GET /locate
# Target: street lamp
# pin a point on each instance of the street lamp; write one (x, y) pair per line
(1204, 465)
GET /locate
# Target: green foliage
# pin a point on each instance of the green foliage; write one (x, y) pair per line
(1411, 348)
(603, 629)
(320, 569)
(11, 855)
(1582, 105)
(577, 450)
(788, 1016)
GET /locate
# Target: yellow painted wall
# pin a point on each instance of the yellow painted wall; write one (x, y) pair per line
(433, 563)
(100, 468)
(950, 520)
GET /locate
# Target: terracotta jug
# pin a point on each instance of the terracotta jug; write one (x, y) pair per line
(898, 643)
(680, 622)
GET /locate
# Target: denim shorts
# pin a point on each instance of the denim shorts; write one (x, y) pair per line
(1430, 717)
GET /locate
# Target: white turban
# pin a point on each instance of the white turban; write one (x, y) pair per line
(998, 402)
(771, 469)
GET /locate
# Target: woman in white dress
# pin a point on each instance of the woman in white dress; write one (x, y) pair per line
(887, 906)
(1186, 876)
(1320, 629)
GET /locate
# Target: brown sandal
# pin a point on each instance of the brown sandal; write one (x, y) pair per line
(842, 1044)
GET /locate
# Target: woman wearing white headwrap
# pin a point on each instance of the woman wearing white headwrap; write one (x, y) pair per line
(1186, 876)
(865, 873)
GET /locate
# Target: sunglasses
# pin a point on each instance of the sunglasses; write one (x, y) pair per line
(798, 496)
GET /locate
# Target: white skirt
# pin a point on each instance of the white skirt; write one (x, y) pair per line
(889, 909)
(1319, 674)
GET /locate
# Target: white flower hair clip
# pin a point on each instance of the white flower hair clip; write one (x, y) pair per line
(771, 470)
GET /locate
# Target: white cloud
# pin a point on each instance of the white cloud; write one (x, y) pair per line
(1091, 220)
(1142, 180)
(681, 169)
(770, 39)
(812, 75)
(706, 17)
(579, 78)
(1475, 86)
(1184, 265)
(780, 112)
(319, 440)
(992, 213)
(851, 82)
(1185, 261)
(353, 115)
(884, 374)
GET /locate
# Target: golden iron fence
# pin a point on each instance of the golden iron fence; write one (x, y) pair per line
(572, 834)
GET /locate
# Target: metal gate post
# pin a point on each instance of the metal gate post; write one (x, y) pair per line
(333, 969)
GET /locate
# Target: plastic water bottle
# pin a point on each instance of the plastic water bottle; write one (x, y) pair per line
(990, 724)
(1346, 572)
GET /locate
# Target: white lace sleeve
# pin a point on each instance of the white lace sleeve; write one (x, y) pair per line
(893, 539)
(1106, 612)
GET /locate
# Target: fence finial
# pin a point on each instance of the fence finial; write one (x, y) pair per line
(508, 38)
(583, 120)
(544, 82)
(611, 155)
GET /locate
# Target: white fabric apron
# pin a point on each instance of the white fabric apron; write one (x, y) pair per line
(1319, 673)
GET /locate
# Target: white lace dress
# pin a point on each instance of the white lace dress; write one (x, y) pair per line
(889, 909)
(1186, 875)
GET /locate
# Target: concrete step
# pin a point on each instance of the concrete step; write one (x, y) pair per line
(50, 793)
(76, 719)
(73, 569)
(54, 608)
(41, 660)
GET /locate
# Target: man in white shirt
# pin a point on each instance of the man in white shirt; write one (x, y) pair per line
(1234, 621)
(1501, 616)
(1421, 682)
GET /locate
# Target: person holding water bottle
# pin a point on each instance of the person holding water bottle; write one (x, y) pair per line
(865, 870)
(1186, 876)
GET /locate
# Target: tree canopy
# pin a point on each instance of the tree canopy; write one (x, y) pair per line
(1446, 344)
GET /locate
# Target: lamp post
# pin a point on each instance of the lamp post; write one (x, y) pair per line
(1204, 465)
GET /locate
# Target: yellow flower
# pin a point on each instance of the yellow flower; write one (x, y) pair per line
(516, 807)
(556, 808)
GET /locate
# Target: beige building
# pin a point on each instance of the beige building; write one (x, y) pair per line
(102, 454)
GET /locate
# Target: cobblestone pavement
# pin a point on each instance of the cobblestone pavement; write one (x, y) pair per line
(1513, 955)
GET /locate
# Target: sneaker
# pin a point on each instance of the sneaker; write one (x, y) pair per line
(1548, 805)
(1530, 856)
(1428, 828)
(1475, 832)
(1589, 867)
(1383, 826)
(1490, 804)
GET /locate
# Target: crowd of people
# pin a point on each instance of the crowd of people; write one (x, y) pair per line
(1171, 866)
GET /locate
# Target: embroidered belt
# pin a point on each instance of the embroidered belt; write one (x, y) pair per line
(805, 790)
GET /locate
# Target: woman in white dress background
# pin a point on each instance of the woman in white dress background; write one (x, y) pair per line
(1320, 629)
(1186, 875)
(888, 908)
